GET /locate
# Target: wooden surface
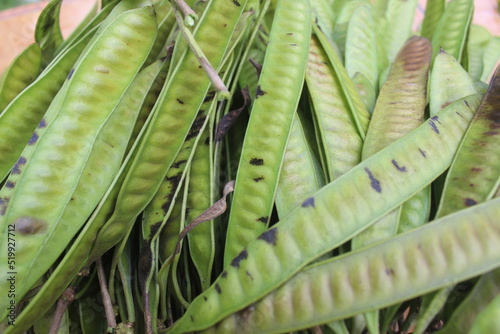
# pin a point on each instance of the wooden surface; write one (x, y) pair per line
(17, 24)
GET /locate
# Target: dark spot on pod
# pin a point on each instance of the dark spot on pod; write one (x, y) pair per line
(459, 114)
(257, 179)
(435, 118)
(177, 164)
(289, 33)
(228, 120)
(293, 44)
(217, 288)
(434, 126)
(192, 318)
(236, 3)
(466, 103)
(373, 181)
(153, 229)
(145, 263)
(29, 225)
(224, 274)
(70, 74)
(389, 271)
(210, 96)
(33, 139)
(42, 124)
(17, 167)
(259, 92)
(269, 236)
(174, 182)
(207, 141)
(180, 101)
(469, 202)
(196, 127)
(423, 153)
(249, 275)
(224, 25)
(476, 169)
(256, 161)
(205, 298)
(263, 219)
(399, 168)
(3, 205)
(491, 133)
(308, 202)
(236, 261)
(10, 184)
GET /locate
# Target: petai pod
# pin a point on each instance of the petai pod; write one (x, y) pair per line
(474, 175)
(335, 124)
(279, 88)
(23, 70)
(62, 154)
(436, 255)
(25, 112)
(452, 29)
(323, 221)
(173, 115)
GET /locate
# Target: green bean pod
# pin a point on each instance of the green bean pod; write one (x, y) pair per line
(88, 24)
(474, 175)
(48, 31)
(324, 221)
(23, 70)
(359, 110)
(301, 176)
(488, 320)
(67, 150)
(323, 12)
(361, 47)
(433, 11)
(433, 256)
(21, 117)
(448, 82)
(176, 108)
(339, 33)
(336, 128)
(399, 109)
(280, 85)
(479, 37)
(399, 16)
(452, 29)
(483, 293)
(491, 55)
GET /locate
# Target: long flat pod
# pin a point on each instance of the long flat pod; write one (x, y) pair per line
(48, 31)
(325, 220)
(335, 125)
(399, 14)
(487, 287)
(400, 109)
(25, 112)
(174, 113)
(21, 72)
(474, 175)
(433, 11)
(449, 81)
(62, 153)
(434, 256)
(452, 29)
(358, 109)
(267, 133)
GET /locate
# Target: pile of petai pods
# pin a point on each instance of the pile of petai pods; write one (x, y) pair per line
(252, 166)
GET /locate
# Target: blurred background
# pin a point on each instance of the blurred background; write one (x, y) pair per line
(18, 19)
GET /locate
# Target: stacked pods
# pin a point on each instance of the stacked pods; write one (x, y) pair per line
(322, 161)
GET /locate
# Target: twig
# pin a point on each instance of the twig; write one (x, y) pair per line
(205, 64)
(62, 304)
(106, 299)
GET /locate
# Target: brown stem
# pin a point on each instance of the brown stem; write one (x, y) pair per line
(62, 304)
(106, 298)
